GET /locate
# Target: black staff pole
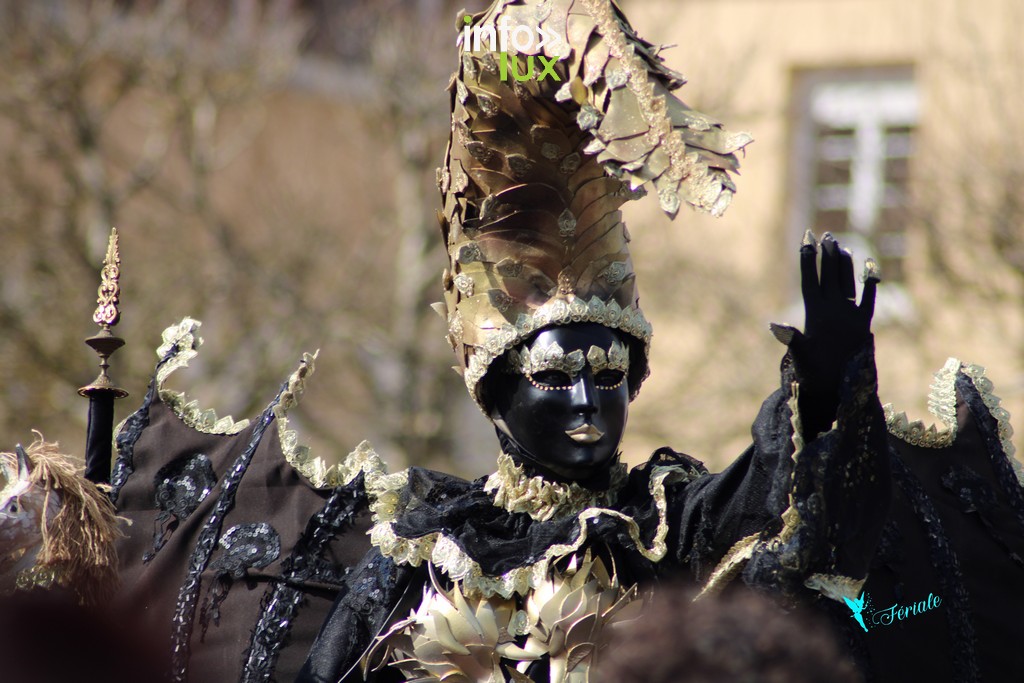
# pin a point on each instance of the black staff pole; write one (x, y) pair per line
(103, 392)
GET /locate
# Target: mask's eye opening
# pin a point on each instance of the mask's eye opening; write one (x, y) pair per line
(13, 507)
(551, 380)
(609, 379)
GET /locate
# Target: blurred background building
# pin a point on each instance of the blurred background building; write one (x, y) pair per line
(270, 167)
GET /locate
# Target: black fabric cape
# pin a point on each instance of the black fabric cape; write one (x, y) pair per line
(233, 559)
(706, 516)
(917, 522)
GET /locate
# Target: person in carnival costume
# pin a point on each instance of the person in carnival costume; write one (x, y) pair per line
(516, 575)
(253, 561)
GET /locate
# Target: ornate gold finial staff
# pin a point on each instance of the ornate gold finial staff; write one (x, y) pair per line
(102, 392)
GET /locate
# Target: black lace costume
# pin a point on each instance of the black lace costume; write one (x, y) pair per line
(786, 521)
(669, 516)
(805, 525)
(233, 557)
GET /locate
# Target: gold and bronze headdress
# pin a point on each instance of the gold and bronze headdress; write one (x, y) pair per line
(560, 114)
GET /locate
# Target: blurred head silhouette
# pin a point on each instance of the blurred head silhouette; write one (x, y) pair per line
(738, 637)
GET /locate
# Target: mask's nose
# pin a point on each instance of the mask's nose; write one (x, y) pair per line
(584, 393)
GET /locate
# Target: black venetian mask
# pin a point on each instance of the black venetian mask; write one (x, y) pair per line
(564, 407)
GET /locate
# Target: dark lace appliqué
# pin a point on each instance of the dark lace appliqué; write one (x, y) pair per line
(181, 485)
(188, 594)
(246, 546)
(973, 492)
(132, 430)
(977, 497)
(943, 557)
(282, 600)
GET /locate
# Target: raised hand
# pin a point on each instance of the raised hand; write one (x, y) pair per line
(835, 327)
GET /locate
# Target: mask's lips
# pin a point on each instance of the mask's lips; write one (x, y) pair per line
(587, 434)
(596, 478)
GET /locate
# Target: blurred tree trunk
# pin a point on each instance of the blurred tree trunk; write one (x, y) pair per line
(140, 115)
(411, 54)
(103, 108)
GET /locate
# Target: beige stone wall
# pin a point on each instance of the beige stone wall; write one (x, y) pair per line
(740, 57)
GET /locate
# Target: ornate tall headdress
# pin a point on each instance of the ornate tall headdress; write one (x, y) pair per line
(549, 137)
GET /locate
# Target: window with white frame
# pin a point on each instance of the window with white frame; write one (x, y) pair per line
(853, 142)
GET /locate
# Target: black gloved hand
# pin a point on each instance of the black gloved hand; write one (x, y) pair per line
(835, 328)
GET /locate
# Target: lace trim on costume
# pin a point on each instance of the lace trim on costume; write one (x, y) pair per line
(985, 388)
(296, 454)
(182, 339)
(743, 550)
(731, 564)
(796, 422)
(942, 404)
(440, 550)
(543, 499)
(178, 340)
(835, 586)
(630, 320)
(205, 421)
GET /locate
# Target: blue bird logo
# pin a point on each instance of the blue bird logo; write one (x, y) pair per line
(857, 606)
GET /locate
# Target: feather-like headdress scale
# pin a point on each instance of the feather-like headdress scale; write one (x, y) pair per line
(549, 137)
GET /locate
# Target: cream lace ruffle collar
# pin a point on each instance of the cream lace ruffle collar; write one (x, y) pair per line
(441, 550)
(942, 405)
(543, 499)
